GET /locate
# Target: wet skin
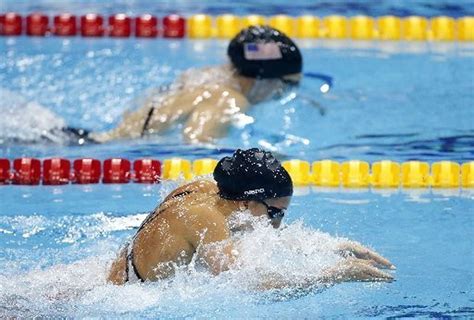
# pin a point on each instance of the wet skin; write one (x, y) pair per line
(197, 223)
(206, 109)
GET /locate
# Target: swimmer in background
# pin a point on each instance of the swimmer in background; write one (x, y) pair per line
(265, 64)
(195, 221)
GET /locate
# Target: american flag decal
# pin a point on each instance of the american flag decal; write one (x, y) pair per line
(262, 51)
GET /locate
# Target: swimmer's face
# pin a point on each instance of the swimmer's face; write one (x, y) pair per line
(266, 89)
(274, 209)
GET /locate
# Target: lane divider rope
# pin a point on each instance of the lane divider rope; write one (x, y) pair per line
(202, 26)
(325, 173)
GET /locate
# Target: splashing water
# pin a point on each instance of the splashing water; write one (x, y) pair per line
(25, 120)
(79, 288)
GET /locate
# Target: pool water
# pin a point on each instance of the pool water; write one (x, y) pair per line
(390, 100)
(428, 8)
(57, 242)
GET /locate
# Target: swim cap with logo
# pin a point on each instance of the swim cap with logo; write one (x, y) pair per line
(264, 52)
(252, 174)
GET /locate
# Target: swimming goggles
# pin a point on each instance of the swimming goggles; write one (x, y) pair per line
(326, 79)
(274, 212)
(290, 82)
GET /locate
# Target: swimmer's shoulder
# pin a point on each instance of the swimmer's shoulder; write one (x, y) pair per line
(216, 79)
(197, 187)
(195, 203)
(193, 77)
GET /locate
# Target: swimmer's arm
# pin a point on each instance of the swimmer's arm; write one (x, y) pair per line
(211, 238)
(170, 108)
(118, 269)
(348, 270)
(359, 264)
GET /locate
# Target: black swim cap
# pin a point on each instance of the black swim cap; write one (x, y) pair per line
(264, 52)
(252, 174)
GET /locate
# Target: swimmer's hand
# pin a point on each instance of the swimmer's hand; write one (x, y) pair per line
(355, 249)
(350, 269)
(353, 269)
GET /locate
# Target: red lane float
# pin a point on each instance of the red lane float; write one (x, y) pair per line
(65, 24)
(11, 24)
(56, 171)
(37, 24)
(120, 25)
(86, 170)
(173, 26)
(146, 26)
(147, 171)
(116, 170)
(92, 25)
(27, 171)
(4, 171)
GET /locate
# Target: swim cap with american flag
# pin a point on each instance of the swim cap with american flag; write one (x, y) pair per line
(264, 52)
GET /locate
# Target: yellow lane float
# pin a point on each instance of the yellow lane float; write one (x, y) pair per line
(176, 168)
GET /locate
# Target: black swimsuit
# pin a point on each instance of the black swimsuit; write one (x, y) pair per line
(161, 89)
(147, 121)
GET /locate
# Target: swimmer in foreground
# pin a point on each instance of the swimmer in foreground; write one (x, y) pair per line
(265, 64)
(193, 224)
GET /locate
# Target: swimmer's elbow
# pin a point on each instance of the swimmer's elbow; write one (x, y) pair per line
(220, 261)
(117, 281)
(219, 265)
(118, 270)
(215, 271)
(116, 276)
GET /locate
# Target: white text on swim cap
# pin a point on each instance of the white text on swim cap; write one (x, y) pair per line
(254, 191)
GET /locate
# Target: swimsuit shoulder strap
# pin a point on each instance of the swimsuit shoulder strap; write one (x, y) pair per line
(152, 215)
(147, 121)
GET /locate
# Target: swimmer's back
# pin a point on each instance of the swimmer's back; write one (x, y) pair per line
(165, 237)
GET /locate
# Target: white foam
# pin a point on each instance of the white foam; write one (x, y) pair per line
(23, 119)
(79, 288)
(27, 226)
